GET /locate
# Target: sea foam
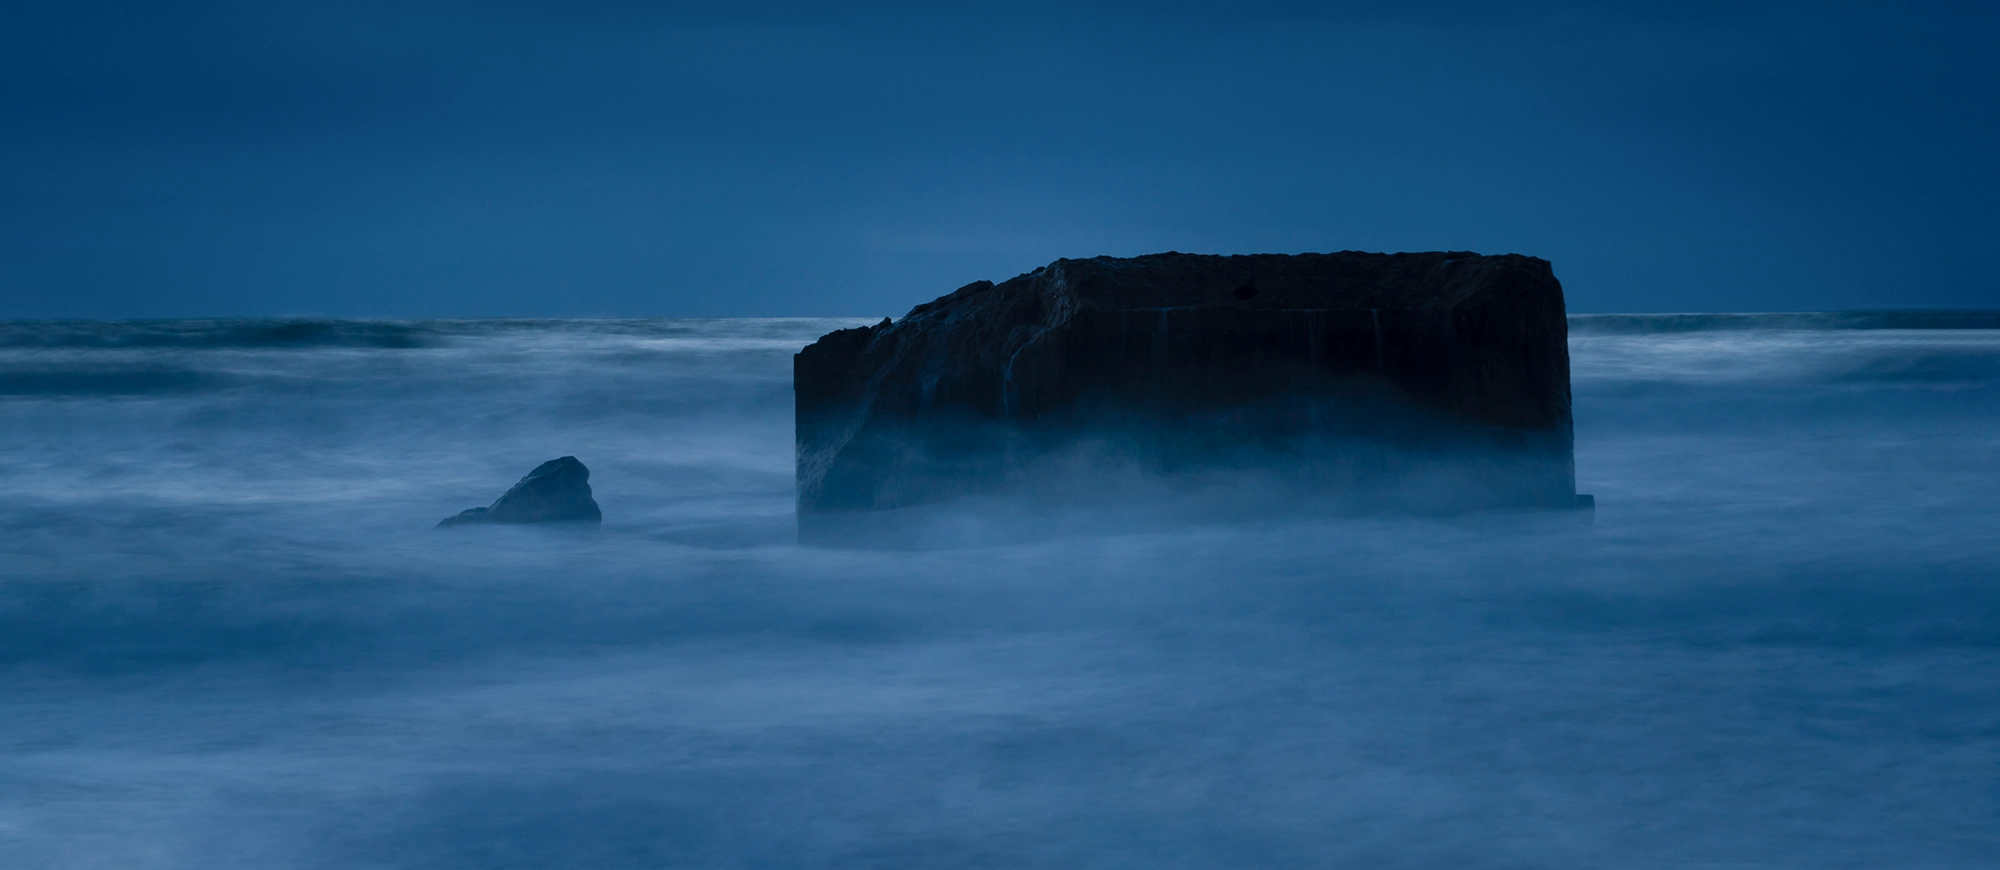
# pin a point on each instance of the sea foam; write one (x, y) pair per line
(229, 636)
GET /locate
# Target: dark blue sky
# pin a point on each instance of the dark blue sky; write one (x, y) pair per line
(623, 158)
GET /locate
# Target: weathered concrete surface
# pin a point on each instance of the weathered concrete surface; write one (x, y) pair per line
(1346, 361)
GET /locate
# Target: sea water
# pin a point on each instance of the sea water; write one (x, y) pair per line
(230, 636)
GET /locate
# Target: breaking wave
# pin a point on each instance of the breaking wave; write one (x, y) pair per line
(1643, 324)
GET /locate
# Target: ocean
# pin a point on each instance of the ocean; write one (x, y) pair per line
(230, 636)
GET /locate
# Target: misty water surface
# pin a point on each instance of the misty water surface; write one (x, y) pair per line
(229, 636)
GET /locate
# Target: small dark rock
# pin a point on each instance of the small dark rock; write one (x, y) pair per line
(556, 491)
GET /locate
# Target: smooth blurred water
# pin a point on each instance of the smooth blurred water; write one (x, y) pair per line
(229, 636)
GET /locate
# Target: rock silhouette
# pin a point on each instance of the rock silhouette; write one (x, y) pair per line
(1369, 368)
(556, 491)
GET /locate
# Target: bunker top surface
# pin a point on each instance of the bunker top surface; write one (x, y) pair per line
(1484, 336)
(1345, 280)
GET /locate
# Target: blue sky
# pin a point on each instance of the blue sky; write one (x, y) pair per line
(752, 159)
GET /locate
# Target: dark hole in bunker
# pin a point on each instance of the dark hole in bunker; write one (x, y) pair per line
(1245, 292)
